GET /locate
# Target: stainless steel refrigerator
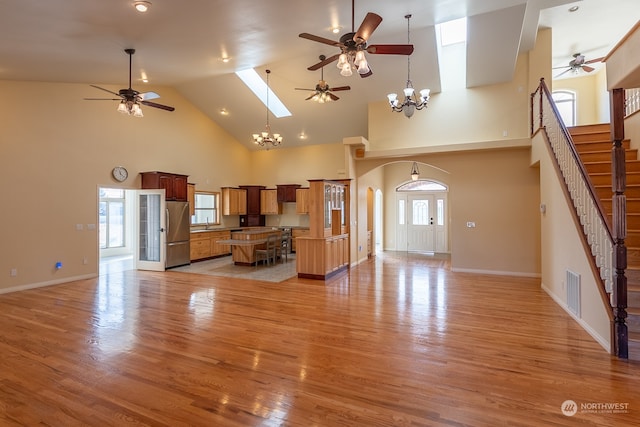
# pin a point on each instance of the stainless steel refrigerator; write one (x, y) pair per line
(177, 234)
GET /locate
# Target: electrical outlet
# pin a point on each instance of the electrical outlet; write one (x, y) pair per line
(85, 261)
(471, 224)
(13, 272)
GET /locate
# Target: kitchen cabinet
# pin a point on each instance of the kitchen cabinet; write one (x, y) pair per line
(302, 201)
(253, 217)
(269, 204)
(191, 198)
(287, 193)
(326, 250)
(328, 212)
(204, 244)
(322, 258)
(234, 201)
(175, 185)
(297, 232)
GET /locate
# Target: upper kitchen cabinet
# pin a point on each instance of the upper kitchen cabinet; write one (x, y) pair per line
(234, 201)
(175, 185)
(302, 201)
(253, 217)
(191, 198)
(269, 204)
(287, 193)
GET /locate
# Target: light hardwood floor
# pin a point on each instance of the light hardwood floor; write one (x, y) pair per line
(397, 341)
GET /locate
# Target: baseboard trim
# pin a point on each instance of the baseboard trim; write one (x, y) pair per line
(496, 272)
(48, 283)
(599, 339)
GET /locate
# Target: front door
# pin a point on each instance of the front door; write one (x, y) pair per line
(151, 240)
(420, 230)
(422, 222)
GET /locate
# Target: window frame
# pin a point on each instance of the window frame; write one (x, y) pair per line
(571, 99)
(215, 210)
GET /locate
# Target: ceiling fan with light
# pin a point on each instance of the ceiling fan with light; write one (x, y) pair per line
(353, 46)
(130, 99)
(323, 93)
(578, 63)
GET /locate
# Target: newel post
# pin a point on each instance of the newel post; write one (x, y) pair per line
(619, 183)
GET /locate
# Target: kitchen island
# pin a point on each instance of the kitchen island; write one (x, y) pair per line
(243, 243)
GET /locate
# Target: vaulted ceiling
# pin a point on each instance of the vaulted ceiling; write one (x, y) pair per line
(181, 44)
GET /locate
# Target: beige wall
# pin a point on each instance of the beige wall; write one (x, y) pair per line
(562, 250)
(496, 189)
(592, 103)
(374, 180)
(294, 166)
(57, 149)
(491, 113)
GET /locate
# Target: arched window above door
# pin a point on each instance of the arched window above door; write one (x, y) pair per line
(421, 185)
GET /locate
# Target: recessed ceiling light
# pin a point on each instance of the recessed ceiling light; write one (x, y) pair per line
(335, 30)
(224, 112)
(225, 59)
(302, 136)
(574, 8)
(142, 6)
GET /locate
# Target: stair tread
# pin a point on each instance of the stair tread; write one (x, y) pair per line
(633, 336)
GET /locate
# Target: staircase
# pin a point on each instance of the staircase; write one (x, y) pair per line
(593, 143)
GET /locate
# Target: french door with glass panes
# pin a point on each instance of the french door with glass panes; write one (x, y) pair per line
(150, 248)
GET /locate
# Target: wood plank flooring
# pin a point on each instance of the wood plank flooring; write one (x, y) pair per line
(399, 340)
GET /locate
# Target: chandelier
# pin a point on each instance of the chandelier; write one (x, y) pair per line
(265, 138)
(130, 107)
(411, 101)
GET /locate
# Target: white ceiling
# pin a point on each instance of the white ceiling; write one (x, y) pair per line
(180, 43)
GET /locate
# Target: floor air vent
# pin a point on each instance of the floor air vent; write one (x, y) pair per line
(573, 292)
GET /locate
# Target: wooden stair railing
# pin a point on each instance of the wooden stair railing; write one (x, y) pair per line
(619, 222)
(605, 250)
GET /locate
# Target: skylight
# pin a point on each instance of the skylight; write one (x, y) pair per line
(259, 87)
(453, 32)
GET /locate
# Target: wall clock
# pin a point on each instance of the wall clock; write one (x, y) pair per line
(119, 173)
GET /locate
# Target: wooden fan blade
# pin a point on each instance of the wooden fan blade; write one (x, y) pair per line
(153, 104)
(368, 26)
(332, 96)
(564, 72)
(587, 68)
(148, 95)
(321, 64)
(106, 90)
(591, 61)
(318, 39)
(390, 49)
(300, 88)
(341, 88)
(310, 96)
